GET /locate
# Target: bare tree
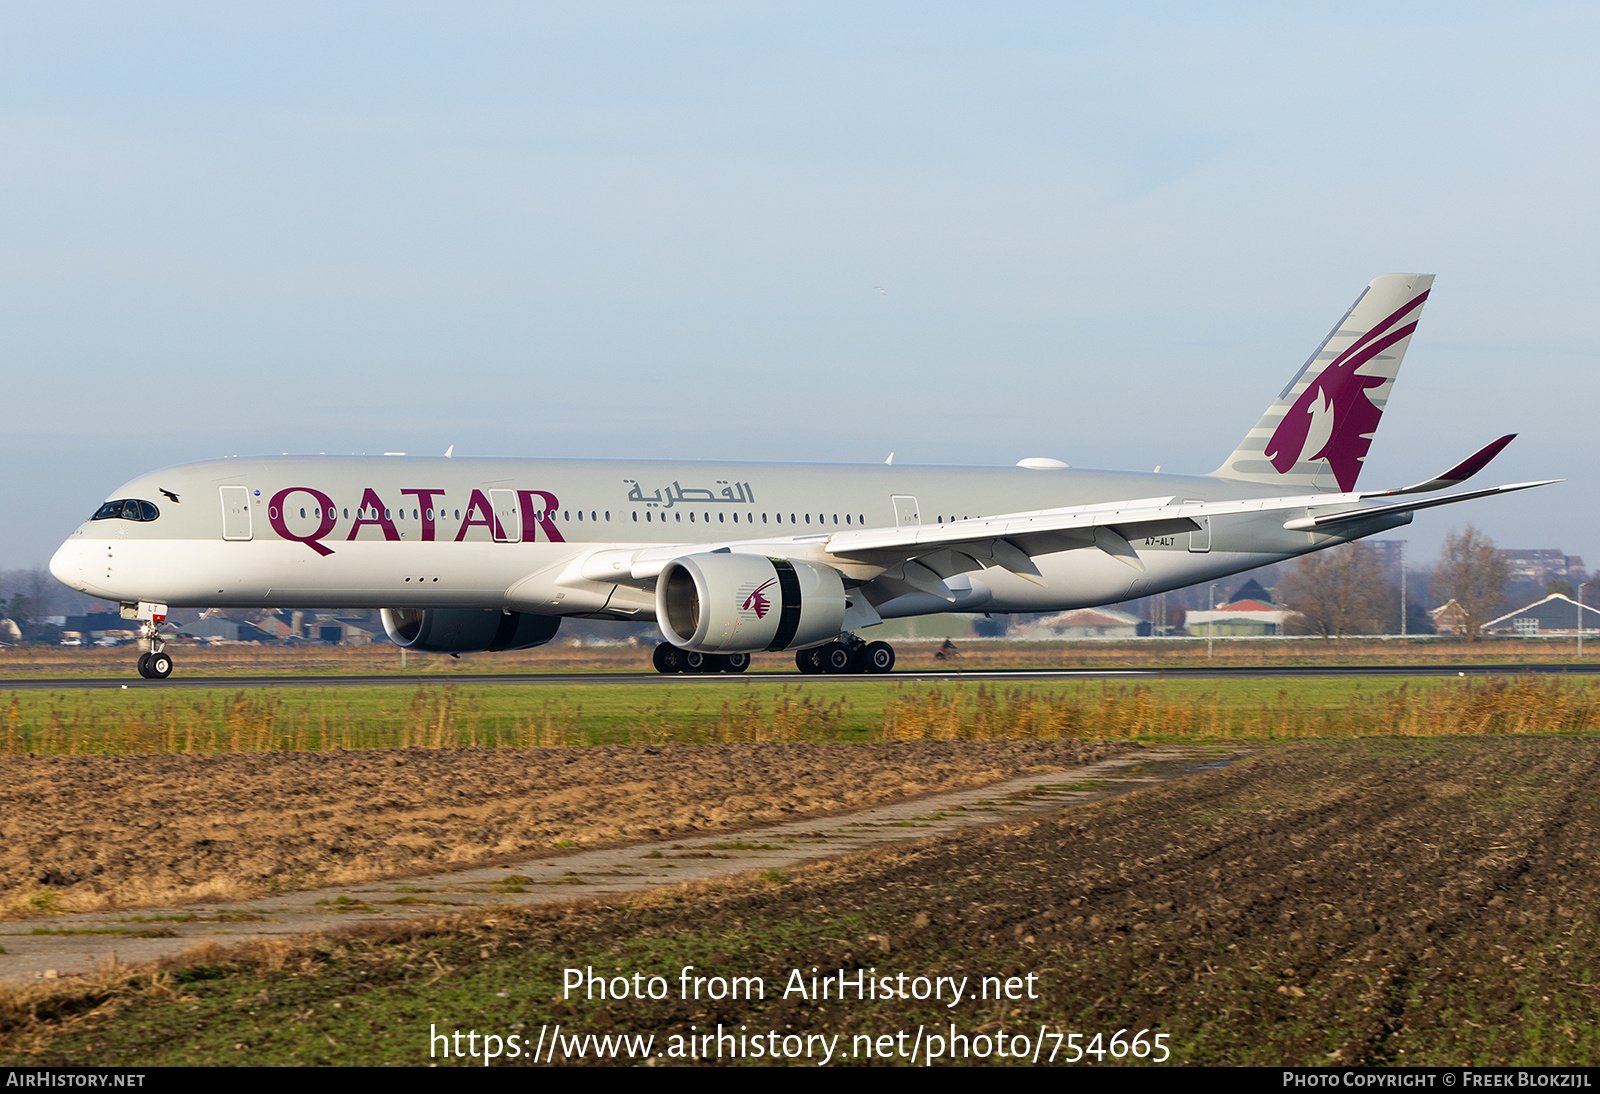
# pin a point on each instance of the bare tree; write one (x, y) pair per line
(30, 594)
(1472, 573)
(1337, 592)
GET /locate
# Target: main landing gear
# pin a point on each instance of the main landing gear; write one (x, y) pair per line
(669, 658)
(846, 654)
(157, 663)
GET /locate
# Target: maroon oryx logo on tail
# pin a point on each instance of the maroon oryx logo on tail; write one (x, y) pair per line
(1337, 402)
(757, 603)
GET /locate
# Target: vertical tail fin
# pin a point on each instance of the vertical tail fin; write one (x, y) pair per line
(1317, 433)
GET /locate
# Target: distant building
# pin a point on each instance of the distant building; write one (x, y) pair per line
(1092, 623)
(943, 625)
(222, 629)
(1543, 565)
(281, 626)
(1449, 618)
(1253, 590)
(341, 631)
(1251, 613)
(103, 627)
(1391, 553)
(1554, 615)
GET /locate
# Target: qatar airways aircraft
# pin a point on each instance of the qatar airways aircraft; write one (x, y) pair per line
(731, 559)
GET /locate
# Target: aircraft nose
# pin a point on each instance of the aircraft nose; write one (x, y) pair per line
(67, 564)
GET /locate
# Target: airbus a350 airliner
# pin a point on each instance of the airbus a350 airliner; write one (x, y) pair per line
(468, 555)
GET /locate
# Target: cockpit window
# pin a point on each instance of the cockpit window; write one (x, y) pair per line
(127, 509)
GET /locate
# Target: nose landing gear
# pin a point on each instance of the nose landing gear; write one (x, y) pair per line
(155, 663)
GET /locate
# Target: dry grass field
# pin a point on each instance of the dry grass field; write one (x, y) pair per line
(695, 711)
(561, 656)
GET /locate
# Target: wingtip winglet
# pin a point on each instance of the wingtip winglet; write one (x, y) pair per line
(1458, 474)
(1476, 462)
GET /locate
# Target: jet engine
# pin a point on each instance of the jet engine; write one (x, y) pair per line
(467, 630)
(728, 603)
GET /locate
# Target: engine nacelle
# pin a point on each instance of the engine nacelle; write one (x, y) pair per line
(467, 630)
(728, 603)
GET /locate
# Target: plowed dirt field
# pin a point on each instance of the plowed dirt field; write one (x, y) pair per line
(90, 832)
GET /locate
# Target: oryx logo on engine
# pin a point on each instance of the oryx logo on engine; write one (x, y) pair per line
(757, 602)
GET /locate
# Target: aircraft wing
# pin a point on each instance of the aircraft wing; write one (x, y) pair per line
(1010, 540)
(1019, 535)
(1134, 519)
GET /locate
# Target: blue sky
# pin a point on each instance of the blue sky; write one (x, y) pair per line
(1107, 234)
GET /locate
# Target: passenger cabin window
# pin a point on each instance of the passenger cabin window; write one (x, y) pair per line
(127, 509)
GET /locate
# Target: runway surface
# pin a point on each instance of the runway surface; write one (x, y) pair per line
(570, 679)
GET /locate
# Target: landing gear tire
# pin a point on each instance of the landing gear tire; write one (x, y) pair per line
(836, 657)
(878, 657)
(667, 658)
(735, 662)
(809, 661)
(695, 661)
(154, 664)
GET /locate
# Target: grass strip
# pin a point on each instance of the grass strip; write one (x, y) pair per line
(700, 712)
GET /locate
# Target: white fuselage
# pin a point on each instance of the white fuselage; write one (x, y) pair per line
(536, 535)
